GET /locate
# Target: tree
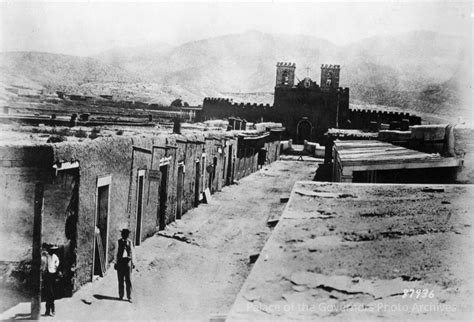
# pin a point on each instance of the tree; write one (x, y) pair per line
(177, 103)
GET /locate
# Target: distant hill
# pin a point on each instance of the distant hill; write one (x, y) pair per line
(139, 59)
(418, 70)
(239, 62)
(57, 70)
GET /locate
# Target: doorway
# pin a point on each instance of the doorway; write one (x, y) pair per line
(304, 130)
(197, 183)
(203, 173)
(212, 175)
(180, 191)
(228, 179)
(163, 196)
(100, 252)
(138, 229)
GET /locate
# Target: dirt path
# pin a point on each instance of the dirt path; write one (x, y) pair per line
(201, 277)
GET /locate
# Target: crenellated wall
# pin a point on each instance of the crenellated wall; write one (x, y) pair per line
(361, 118)
(221, 108)
(307, 110)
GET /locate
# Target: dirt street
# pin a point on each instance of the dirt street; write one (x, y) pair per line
(199, 273)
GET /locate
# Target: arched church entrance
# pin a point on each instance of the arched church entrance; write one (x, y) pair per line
(304, 130)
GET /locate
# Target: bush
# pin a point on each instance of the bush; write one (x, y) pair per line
(64, 131)
(80, 134)
(56, 139)
(177, 103)
(94, 133)
(119, 132)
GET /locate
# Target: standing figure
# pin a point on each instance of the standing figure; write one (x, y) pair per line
(124, 264)
(50, 276)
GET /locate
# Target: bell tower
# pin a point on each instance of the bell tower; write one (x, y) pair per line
(285, 75)
(330, 76)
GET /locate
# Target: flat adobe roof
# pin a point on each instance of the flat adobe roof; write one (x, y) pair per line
(351, 251)
(364, 155)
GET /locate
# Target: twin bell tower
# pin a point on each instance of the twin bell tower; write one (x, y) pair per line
(285, 76)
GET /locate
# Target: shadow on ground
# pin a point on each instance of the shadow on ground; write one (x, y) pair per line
(106, 297)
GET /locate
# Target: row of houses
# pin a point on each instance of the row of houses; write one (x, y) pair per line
(94, 188)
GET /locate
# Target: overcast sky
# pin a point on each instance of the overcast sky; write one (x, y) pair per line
(89, 27)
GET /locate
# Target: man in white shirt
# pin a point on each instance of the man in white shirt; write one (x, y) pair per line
(52, 264)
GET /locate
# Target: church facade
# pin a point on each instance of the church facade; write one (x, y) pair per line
(305, 108)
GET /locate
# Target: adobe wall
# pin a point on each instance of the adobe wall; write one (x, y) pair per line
(222, 108)
(189, 152)
(121, 158)
(291, 104)
(320, 107)
(99, 158)
(463, 146)
(151, 198)
(445, 139)
(360, 118)
(215, 147)
(22, 167)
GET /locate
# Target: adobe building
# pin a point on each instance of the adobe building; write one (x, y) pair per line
(94, 188)
(434, 153)
(306, 109)
(382, 162)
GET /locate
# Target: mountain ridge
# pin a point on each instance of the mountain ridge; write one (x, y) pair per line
(391, 70)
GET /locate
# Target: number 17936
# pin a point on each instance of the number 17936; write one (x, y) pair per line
(418, 293)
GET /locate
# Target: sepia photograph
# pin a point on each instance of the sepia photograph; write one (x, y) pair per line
(236, 161)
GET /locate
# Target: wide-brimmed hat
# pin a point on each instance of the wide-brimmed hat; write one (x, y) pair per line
(125, 230)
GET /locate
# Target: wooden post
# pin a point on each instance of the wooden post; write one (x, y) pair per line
(36, 262)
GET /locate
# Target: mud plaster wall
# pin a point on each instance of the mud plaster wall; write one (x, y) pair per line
(273, 151)
(213, 146)
(181, 156)
(225, 160)
(246, 161)
(209, 150)
(189, 150)
(98, 158)
(109, 156)
(172, 182)
(150, 199)
(192, 151)
(464, 147)
(234, 158)
(17, 192)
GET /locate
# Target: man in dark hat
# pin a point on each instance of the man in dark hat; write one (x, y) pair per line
(125, 263)
(50, 276)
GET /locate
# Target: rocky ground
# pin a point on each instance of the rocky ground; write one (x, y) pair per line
(195, 268)
(353, 251)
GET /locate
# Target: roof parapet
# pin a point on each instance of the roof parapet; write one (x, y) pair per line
(331, 66)
(286, 64)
